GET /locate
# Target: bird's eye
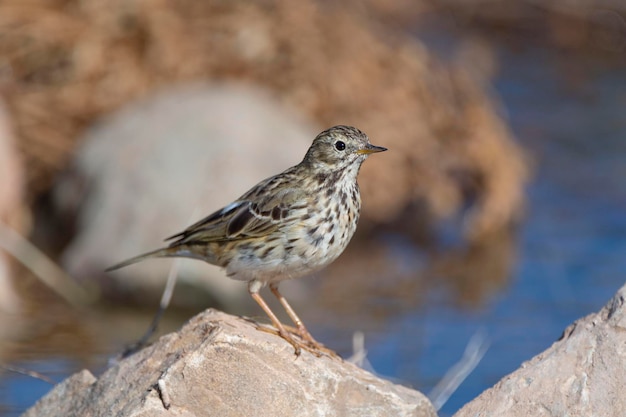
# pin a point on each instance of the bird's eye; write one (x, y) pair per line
(340, 146)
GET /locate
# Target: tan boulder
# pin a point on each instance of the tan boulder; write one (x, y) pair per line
(220, 365)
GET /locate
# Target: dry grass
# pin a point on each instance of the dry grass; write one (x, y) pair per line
(65, 63)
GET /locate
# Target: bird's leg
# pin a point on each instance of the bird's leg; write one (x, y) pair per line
(253, 289)
(302, 331)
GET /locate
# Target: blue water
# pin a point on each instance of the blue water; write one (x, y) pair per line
(18, 392)
(570, 246)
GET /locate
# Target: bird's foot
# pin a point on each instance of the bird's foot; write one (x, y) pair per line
(306, 337)
(299, 342)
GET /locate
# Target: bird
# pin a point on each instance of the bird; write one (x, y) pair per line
(287, 226)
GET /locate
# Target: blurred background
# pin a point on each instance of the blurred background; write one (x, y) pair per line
(498, 210)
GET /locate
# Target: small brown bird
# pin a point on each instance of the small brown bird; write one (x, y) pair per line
(286, 226)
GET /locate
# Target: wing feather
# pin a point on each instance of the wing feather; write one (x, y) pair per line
(245, 219)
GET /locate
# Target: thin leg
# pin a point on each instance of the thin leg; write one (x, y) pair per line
(254, 293)
(302, 331)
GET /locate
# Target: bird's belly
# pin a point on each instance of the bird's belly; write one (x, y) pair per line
(293, 255)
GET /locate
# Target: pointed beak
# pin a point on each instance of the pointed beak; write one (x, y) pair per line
(371, 149)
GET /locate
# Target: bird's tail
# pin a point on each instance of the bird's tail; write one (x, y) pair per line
(159, 253)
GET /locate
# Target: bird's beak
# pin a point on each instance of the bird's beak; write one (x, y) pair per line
(371, 149)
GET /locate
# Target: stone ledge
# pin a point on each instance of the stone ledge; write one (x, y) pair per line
(221, 365)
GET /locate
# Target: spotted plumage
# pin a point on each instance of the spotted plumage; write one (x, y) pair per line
(286, 226)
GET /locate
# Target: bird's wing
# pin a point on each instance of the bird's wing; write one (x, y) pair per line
(246, 218)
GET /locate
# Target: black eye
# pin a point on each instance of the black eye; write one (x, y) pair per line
(340, 146)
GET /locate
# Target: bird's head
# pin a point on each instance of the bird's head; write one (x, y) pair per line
(339, 147)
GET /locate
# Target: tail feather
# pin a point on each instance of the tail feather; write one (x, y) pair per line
(159, 253)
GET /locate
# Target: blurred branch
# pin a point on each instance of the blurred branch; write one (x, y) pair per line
(359, 354)
(474, 352)
(32, 374)
(165, 302)
(172, 277)
(43, 267)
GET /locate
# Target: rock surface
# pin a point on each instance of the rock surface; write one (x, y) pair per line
(219, 365)
(583, 374)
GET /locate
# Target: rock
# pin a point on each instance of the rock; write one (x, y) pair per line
(57, 399)
(220, 365)
(158, 165)
(582, 374)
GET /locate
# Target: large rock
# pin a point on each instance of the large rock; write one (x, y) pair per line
(583, 374)
(219, 365)
(158, 165)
